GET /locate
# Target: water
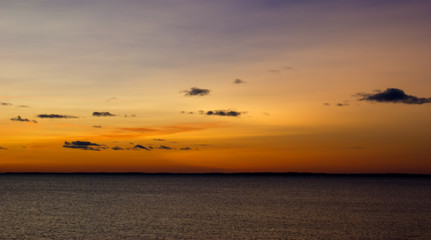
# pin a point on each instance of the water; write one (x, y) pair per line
(214, 207)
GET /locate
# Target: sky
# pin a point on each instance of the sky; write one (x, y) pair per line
(215, 86)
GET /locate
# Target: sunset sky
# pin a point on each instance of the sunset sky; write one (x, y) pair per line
(215, 86)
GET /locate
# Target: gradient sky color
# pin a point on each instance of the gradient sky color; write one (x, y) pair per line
(305, 70)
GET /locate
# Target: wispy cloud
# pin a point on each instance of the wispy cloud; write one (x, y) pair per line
(226, 113)
(184, 112)
(20, 119)
(55, 116)
(138, 146)
(194, 91)
(393, 95)
(87, 145)
(164, 147)
(341, 104)
(10, 104)
(103, 114)
(131, 132)
(239, 81)
(279, 70)
(3, 148)
(111, 99)
(117, 148)
(83, 145)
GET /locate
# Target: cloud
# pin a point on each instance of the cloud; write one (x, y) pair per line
(83, 145)
(156, 131)
(338, 104)
(86, 145)
(184, 112)
(158, 139)
(111, 99)
(137, 147)
(393, 95)
(20, 119)
(164, 147)
(10, 104)
(194, 91)
(341, 104)
(117, 148)
(103, 114)
(239, 81)
(148, 148)
(227, 113)
(55, 116)
(3, 148)
(97, 126)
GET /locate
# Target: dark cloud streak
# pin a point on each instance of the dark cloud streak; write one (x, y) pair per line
(194, 91)
(117, 148)
(239, 81)
(223, 113)
(342, 104)
(164, 147)
(55, 116)
(103, 114)
(227, 113)
(137, 147)
(83, 145)
(20, 119)
(393, 95)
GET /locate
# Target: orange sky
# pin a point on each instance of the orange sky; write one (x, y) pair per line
(334, 86)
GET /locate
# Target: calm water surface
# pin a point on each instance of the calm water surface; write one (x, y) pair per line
(214, 207)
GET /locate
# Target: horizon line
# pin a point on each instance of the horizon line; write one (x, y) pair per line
(226, 173)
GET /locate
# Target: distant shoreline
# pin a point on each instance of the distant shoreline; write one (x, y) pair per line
(226, 174)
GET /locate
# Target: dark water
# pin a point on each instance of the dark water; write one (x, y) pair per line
(214, 207)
